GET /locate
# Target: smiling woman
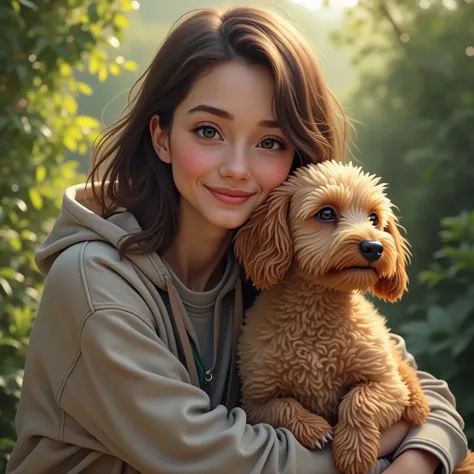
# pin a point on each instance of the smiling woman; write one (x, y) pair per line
(256, 93)
(132, 364)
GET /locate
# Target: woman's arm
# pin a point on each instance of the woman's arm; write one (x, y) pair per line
(393, 437)
(441, 438)
(139, 407)
(130, 393)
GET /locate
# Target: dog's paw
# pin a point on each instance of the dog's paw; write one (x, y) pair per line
(323, 441)
(354, 449)
(310, 430)
(417, 412)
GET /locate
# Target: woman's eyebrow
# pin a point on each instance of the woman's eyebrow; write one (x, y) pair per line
(227, 115)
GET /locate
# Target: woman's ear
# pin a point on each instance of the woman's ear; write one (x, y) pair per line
(160, 139)
(264, 244)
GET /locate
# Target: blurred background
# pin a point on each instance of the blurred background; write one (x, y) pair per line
(403, 69)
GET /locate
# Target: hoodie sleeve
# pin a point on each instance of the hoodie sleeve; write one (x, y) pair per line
(138, 405)
(442, 434)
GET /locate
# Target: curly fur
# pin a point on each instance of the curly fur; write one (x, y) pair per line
(315, 355)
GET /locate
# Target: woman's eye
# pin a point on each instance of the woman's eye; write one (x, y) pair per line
(207, 132)
(271, 144)
(326, 214)
(374, 219)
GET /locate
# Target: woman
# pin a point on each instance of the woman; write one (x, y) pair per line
(131, 366)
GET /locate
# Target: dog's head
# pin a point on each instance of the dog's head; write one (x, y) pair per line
(336, 225)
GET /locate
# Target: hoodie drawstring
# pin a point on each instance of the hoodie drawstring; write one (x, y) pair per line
(200, 377)
(182, 333)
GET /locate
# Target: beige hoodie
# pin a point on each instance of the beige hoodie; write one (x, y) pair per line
(109, 386)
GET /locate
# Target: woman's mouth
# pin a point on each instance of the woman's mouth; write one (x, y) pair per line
(230, 196)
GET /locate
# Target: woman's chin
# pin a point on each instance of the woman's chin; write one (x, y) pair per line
(228, 220)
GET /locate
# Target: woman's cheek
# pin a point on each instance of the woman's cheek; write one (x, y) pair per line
(270, 173)
(193, 160)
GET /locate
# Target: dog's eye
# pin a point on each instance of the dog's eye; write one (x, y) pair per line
(374, 219)
(326, 214)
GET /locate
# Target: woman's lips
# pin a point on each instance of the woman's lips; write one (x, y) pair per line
(230, 196)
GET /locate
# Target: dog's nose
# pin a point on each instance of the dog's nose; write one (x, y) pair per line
(371, 250)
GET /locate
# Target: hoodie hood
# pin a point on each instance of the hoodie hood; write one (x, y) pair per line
(79, 221)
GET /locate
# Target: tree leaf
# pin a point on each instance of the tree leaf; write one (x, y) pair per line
(94, 64)
(121, 20)
(85, 121)
(40, 174)
(29, 4)
(84, 88)
(114, 69)
(35, 198)
(102, 73)
(130, 66)
(6, 286)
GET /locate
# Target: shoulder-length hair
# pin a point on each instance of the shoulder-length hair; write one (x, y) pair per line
(126, 171)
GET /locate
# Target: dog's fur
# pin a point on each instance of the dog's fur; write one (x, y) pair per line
(314, 352)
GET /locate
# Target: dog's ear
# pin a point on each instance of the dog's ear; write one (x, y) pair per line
(263, 244)
(392, 288)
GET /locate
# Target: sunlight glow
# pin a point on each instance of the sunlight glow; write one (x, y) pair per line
(318, 4)
(450, 4)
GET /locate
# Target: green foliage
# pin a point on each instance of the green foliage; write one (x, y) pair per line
(415, 102)
(442, 331)
(44, 43)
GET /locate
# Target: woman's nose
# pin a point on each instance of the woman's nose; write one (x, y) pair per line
(236, 164)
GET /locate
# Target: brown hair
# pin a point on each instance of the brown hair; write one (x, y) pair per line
(135, 179)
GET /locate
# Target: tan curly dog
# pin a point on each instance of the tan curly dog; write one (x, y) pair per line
(315, 355)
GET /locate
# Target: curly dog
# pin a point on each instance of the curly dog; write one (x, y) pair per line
(314, 353)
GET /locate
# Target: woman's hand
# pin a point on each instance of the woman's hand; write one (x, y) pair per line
(414, 461)
(393, 437)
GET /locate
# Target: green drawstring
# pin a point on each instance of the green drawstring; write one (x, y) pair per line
(204, 376)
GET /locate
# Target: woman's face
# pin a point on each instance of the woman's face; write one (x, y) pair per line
(226, 150)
